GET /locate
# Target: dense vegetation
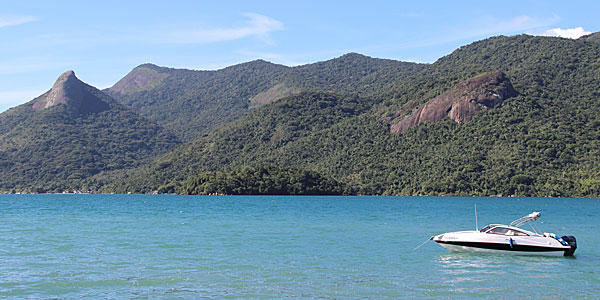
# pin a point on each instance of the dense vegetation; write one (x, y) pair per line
(264, 180)
(57, 148)
(544, 141)
(241, 143)
(328, 132)
(192, 103)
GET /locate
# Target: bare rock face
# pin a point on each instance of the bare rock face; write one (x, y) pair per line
(461, 102)
(68, 90)
(66, 86)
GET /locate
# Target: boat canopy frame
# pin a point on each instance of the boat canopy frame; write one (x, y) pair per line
(528, 219)
(510, 229)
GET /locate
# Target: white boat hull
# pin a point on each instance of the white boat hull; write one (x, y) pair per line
(458, 248)
(508, 239)
(478, 242)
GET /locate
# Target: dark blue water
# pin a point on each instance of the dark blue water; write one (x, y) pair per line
(188, 247)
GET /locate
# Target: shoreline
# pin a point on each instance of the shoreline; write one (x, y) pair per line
(417, 195)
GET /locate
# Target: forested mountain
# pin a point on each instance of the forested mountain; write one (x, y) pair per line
(248, 140)
(191, 103)
(594, 37)
(506, 115)
(541, 136)
(70, 133)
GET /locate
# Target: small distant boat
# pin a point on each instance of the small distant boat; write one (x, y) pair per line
(509, 239)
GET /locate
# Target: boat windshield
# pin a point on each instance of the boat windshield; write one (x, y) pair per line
(499, 230)
(486, 228)
(516, 232)
(503, 230)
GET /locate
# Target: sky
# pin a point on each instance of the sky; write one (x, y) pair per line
(103, 40)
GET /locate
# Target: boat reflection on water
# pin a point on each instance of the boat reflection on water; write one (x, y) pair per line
(478, 274)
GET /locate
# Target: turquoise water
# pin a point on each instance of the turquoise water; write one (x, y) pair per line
(188, 247)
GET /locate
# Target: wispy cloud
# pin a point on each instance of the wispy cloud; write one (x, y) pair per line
(256, 25)
(6, 21)
(572, 33)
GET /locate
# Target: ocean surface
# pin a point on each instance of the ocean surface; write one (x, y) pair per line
(255, 247)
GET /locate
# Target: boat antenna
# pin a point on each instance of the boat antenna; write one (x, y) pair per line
(476, 225)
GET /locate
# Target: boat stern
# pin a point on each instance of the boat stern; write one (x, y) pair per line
(572, 243)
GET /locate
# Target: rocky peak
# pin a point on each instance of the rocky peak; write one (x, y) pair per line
(77, 96)
(66, 87)
(461, 102)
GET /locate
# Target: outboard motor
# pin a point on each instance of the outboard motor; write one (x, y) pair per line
(572, 242)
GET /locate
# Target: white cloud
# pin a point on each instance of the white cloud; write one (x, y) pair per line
(572, 33)
(257, 25)
(6, 21)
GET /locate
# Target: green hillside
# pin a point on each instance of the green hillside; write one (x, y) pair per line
(245, 142)
(543, 140)
(264, 180)
(192, 103)
(507, 115)
(73, 131)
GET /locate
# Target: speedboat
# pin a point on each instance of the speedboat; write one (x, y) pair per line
(509, 239)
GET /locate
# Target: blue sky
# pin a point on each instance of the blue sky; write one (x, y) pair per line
(103, 40)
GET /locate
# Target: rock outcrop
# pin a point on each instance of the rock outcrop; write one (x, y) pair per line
(460, 103)
(66, 86)
(69, 90)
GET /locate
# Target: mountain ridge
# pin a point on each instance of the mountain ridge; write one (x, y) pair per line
(527, 108)
(200, 99)
(62, 138)
(539, 142)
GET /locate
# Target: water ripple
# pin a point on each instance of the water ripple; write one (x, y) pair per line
(141, 247)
